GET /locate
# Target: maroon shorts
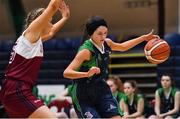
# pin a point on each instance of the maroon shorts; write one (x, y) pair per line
(18, 100)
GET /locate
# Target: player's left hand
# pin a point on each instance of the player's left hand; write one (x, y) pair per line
(64, 9)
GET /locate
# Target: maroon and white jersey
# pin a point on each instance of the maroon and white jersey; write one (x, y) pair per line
(25, 60)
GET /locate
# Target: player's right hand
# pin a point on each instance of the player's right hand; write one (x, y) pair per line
(93, 70)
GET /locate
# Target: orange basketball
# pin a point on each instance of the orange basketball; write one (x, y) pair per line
(157, 51)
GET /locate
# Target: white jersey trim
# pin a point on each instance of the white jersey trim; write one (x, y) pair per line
(27, 49)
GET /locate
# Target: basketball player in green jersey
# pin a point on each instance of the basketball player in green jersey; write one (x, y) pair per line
(92, 96)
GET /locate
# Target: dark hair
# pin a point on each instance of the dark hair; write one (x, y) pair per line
(32, 16)
(117, 81)
(171, 78)
(91, 25)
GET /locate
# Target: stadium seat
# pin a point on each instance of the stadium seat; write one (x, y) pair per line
(176, 50)
(7, 45)
(173, 39)
(50, 44)
(177, 61)
(61, 44)
(162, 70)
(177, 72)
(74, 43)
(1, 46)
(51, 74)
(53, 64)
(112, 37)
(177, 82)
(59, 55)
(3, 65)
(167, 63)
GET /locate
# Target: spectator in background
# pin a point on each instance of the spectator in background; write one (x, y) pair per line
(24, 64)
(64, 100)
(117, 90)
(135, 101)
(167, 99)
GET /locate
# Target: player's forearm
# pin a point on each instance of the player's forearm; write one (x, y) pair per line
(157, 111)
(57, 26)
(71, 74)
(174, 111)
(134, 115)
(132, 43)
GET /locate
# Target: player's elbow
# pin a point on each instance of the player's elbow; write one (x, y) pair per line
(66, 74)
(176, 109)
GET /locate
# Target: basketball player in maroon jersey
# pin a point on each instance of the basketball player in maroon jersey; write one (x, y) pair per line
(25, 60)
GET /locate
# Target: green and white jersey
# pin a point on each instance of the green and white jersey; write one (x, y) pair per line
(167, 103)
(98, 59)
(132, 105)
(119, 97)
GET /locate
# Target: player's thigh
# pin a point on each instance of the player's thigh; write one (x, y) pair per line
(42, 112)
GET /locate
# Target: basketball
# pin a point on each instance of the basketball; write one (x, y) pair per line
(157, 51)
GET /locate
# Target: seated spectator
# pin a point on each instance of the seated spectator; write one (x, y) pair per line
(64, 100)
(134, 101)
(116, 87)
(167, 99)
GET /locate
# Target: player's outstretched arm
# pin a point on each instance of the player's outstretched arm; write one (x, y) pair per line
(35, 29)
(131, 43)
(64, 10)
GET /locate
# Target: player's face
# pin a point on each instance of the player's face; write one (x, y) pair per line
(128, 89)
(99, 35)
(165, 81)
(112, 86)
